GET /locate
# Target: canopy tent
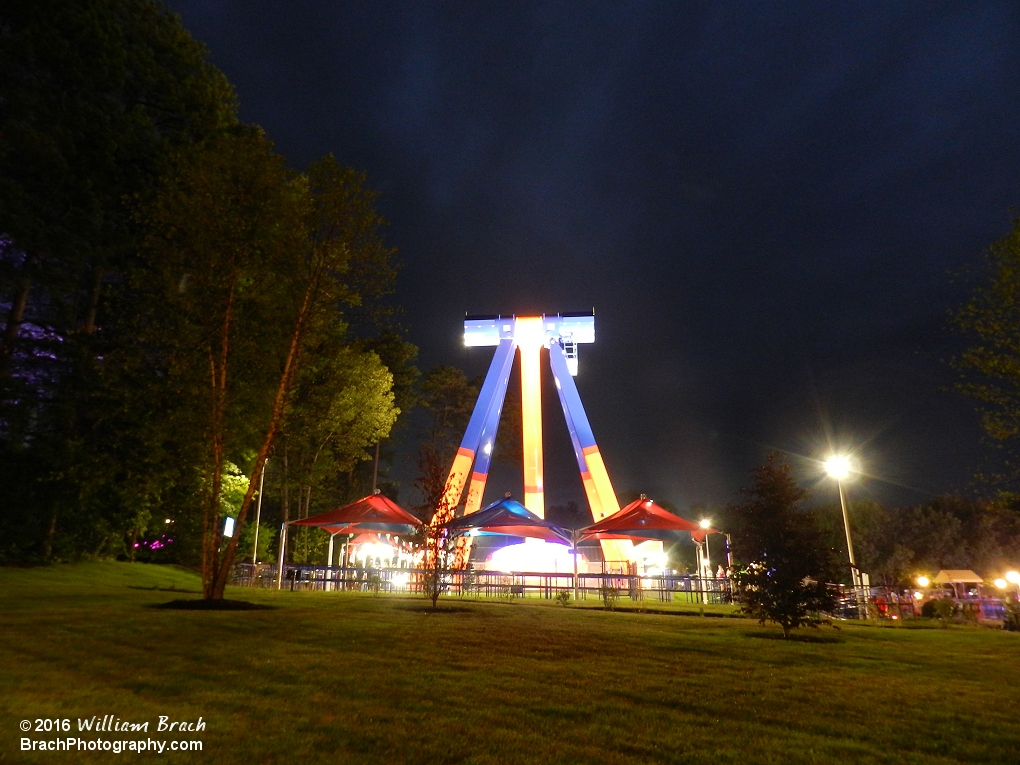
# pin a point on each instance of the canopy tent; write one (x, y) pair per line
(508, 517)
(642, 519)
(957, 576)
(372, 513)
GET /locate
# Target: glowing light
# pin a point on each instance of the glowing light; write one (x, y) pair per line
(169, 521)
(651, 556)
(1001, 584)
(918, 595)
(1013, 576)
(923, 581)
(228, 527)
(838, 466)
(401, 580)
(374, 550)
(705, 523)
(488, 447)
(535, 555)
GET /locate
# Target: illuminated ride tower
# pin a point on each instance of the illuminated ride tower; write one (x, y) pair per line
(560, 334)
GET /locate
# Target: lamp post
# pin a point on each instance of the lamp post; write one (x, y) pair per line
(705, 562)
(705, 523)
(838, 467)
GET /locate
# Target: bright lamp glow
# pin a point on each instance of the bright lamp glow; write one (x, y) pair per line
(918, 595)
(705, 523)
(1001, 584)
(838, 466)
(535, 555)
(1013, 576)
(923, 581)
(375, 550)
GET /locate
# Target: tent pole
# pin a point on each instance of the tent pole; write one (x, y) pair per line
(329, 560)
(283, 550)
(573, 541)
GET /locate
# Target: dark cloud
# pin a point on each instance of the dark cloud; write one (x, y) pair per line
(762, 201)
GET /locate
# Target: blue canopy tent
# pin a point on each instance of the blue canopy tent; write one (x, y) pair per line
(507, 517)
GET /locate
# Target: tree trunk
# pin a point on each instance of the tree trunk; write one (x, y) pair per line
(287, 377)
(19, 301)
(89, 327)
(213, 532)
(47, 540)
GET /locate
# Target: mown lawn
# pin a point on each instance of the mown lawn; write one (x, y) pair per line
(330, 677)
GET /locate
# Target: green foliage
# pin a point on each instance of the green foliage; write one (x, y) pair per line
(780, 549)
(98, 97)
(564, 598)
(228, 290)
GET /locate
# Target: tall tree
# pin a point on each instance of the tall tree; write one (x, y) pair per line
(990, 367)
(257, 266)
(97, 96)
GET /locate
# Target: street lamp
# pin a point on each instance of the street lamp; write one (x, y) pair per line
(838, 466)
(706, 524)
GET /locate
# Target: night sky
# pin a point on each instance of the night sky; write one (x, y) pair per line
(769, 206)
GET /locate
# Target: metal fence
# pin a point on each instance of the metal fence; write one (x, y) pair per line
(872, 602)
(664, 588)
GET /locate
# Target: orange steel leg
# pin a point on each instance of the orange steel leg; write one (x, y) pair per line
(529, 336)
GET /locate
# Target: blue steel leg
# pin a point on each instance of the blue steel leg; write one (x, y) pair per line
(487, 438)
(494, 387)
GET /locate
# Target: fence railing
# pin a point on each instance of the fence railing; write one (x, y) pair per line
(665, 588)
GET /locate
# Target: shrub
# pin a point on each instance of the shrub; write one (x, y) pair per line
(1012, 621)
(610, 596)
(939, 608)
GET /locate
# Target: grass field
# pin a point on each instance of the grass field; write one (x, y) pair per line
(330, 677)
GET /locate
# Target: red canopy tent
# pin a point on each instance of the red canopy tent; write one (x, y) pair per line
(372, 513)
(641, 520)
(369, 516)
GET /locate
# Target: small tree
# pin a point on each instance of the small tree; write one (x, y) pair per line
(433, 544)
(780, 547)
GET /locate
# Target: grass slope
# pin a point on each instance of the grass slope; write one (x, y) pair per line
(329, 677)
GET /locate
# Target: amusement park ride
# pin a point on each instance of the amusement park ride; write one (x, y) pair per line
(560, 335)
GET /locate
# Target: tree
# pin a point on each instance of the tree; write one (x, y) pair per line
(990, 367)
(780, 549)
(98, 96)
(247, 279)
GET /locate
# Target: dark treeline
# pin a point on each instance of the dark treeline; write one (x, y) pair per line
(178, 305)
(949, 532)
(895, 545)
